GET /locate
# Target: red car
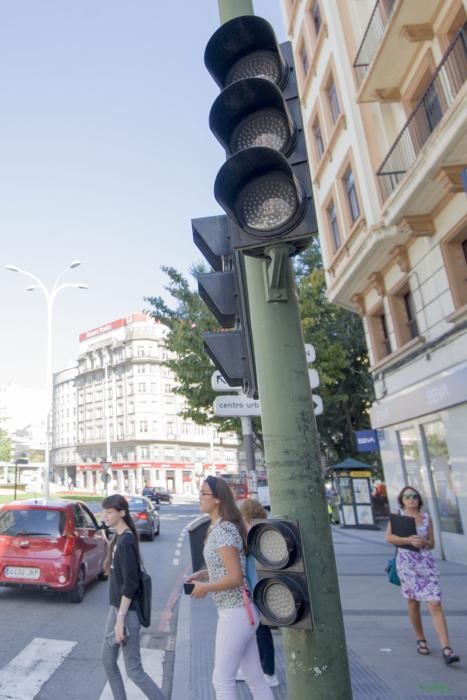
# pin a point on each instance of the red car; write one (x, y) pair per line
(52, 545)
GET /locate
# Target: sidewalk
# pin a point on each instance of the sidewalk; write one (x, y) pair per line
(383, 659)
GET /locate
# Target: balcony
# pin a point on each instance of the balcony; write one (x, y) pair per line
(390, 44)
(371, 39)
(441, 93)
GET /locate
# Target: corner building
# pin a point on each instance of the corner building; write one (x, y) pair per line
(384, 98)
(124, 395)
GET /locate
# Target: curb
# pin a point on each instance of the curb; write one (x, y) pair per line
(181, 674)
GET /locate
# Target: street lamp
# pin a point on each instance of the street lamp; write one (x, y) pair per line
(50, 296)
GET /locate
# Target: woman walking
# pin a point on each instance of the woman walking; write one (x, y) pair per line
(418, 573)
(123, 628)
(224, 553)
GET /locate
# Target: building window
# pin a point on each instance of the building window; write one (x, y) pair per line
(351, 191)
(410, 314)
(378, 327)
(319, 142)
(454, 248)
(143, 426)
(142, 387)
(333, 100)
(334, 226)
(316, 16)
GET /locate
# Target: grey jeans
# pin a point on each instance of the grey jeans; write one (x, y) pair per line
(131, 656)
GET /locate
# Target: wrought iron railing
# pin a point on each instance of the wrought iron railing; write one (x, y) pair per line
(372, 38)
(447, 81)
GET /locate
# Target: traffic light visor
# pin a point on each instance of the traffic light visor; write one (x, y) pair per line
(256, 187)
(282, 600)
(273, 545)
(245, 47)
(252, 112)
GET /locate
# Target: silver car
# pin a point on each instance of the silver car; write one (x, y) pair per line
(145, 516)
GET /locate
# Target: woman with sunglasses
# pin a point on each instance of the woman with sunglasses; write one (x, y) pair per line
(418, 573)
(224, 554)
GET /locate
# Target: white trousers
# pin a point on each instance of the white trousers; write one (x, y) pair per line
(236, 644)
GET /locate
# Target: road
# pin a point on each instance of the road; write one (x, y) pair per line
(67, 638)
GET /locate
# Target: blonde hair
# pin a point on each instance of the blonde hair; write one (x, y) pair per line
(251, 509)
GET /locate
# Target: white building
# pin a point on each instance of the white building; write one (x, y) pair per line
(384, 97)
(122, 393)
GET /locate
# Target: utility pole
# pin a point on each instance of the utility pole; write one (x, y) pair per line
(316, 660)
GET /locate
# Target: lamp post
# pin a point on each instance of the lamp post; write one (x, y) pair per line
(50, 295)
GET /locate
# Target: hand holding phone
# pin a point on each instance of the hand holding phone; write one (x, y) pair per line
(188, 588)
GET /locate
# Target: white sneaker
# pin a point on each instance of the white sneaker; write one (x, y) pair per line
(272, 681)
(240, 676)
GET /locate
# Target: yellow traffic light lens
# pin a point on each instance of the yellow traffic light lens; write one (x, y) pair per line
(267, 127)
(273, 547)
(268, 203)
(280, 602)
(259, 64)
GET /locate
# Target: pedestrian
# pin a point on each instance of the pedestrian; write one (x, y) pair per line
(224, 553)
(419, 574)
(251, 509)
(122, 628)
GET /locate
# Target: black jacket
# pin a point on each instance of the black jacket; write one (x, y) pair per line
(125, 569)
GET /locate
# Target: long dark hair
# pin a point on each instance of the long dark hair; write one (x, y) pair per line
(227, 507)
(118, 502)
(401, 496)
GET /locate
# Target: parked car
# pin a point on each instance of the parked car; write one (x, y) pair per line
(145, 516)
(157, 494)
(51, 545)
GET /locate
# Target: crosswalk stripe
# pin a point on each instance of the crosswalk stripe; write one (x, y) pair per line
(23, 677)
(153, 660)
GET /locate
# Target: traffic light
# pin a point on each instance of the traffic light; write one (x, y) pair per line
(264, 186)
(224, 293)
(281, 593)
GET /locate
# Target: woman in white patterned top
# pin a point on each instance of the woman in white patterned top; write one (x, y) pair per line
(224, 553)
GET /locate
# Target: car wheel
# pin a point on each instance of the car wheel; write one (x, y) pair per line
(151, 535)
(158, 529)
(77, 594)
(103, 576)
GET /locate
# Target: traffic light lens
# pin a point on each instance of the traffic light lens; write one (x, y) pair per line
(280, 603)
(259, 64)
(268, 202)
(273, 547)
(267, 127)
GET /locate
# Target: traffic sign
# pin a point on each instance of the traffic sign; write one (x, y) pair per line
(236, 406)
(220, 383)
(310, 353)
(314, 378)
(317, 404)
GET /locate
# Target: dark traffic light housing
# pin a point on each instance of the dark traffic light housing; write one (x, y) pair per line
(264, 186)
(281, 592)
(224, 293)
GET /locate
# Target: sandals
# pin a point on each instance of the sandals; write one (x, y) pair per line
(450, 657)
(422, 647)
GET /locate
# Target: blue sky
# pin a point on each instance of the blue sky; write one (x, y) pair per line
(105, 156)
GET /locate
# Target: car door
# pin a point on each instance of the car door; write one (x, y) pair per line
(97, 540)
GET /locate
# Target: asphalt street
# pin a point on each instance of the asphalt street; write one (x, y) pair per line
(68, 637)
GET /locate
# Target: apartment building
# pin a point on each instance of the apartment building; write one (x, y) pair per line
(384, 98)
(118, 402)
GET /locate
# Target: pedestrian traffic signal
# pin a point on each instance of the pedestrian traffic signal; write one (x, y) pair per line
(223, 291)
(281, 593)
(264, 186)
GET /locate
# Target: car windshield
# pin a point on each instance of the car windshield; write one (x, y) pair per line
(137, 504)
(33, 522)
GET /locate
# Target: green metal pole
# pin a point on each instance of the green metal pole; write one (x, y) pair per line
(316, 661)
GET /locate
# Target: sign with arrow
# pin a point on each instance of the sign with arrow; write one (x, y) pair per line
(220, 383)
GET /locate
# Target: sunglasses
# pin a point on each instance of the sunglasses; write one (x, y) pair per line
(415, 496)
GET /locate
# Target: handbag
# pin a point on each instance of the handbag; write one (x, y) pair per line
(391, 570)
(246, 595)
(143, 598)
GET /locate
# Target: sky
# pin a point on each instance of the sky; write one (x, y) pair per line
(105, 156)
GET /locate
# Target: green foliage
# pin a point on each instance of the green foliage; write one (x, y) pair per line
(341, 360)
(187, 358)
(5, 446)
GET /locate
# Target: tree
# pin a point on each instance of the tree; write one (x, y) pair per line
(5, 446)
(341, 360)
(187, 358)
